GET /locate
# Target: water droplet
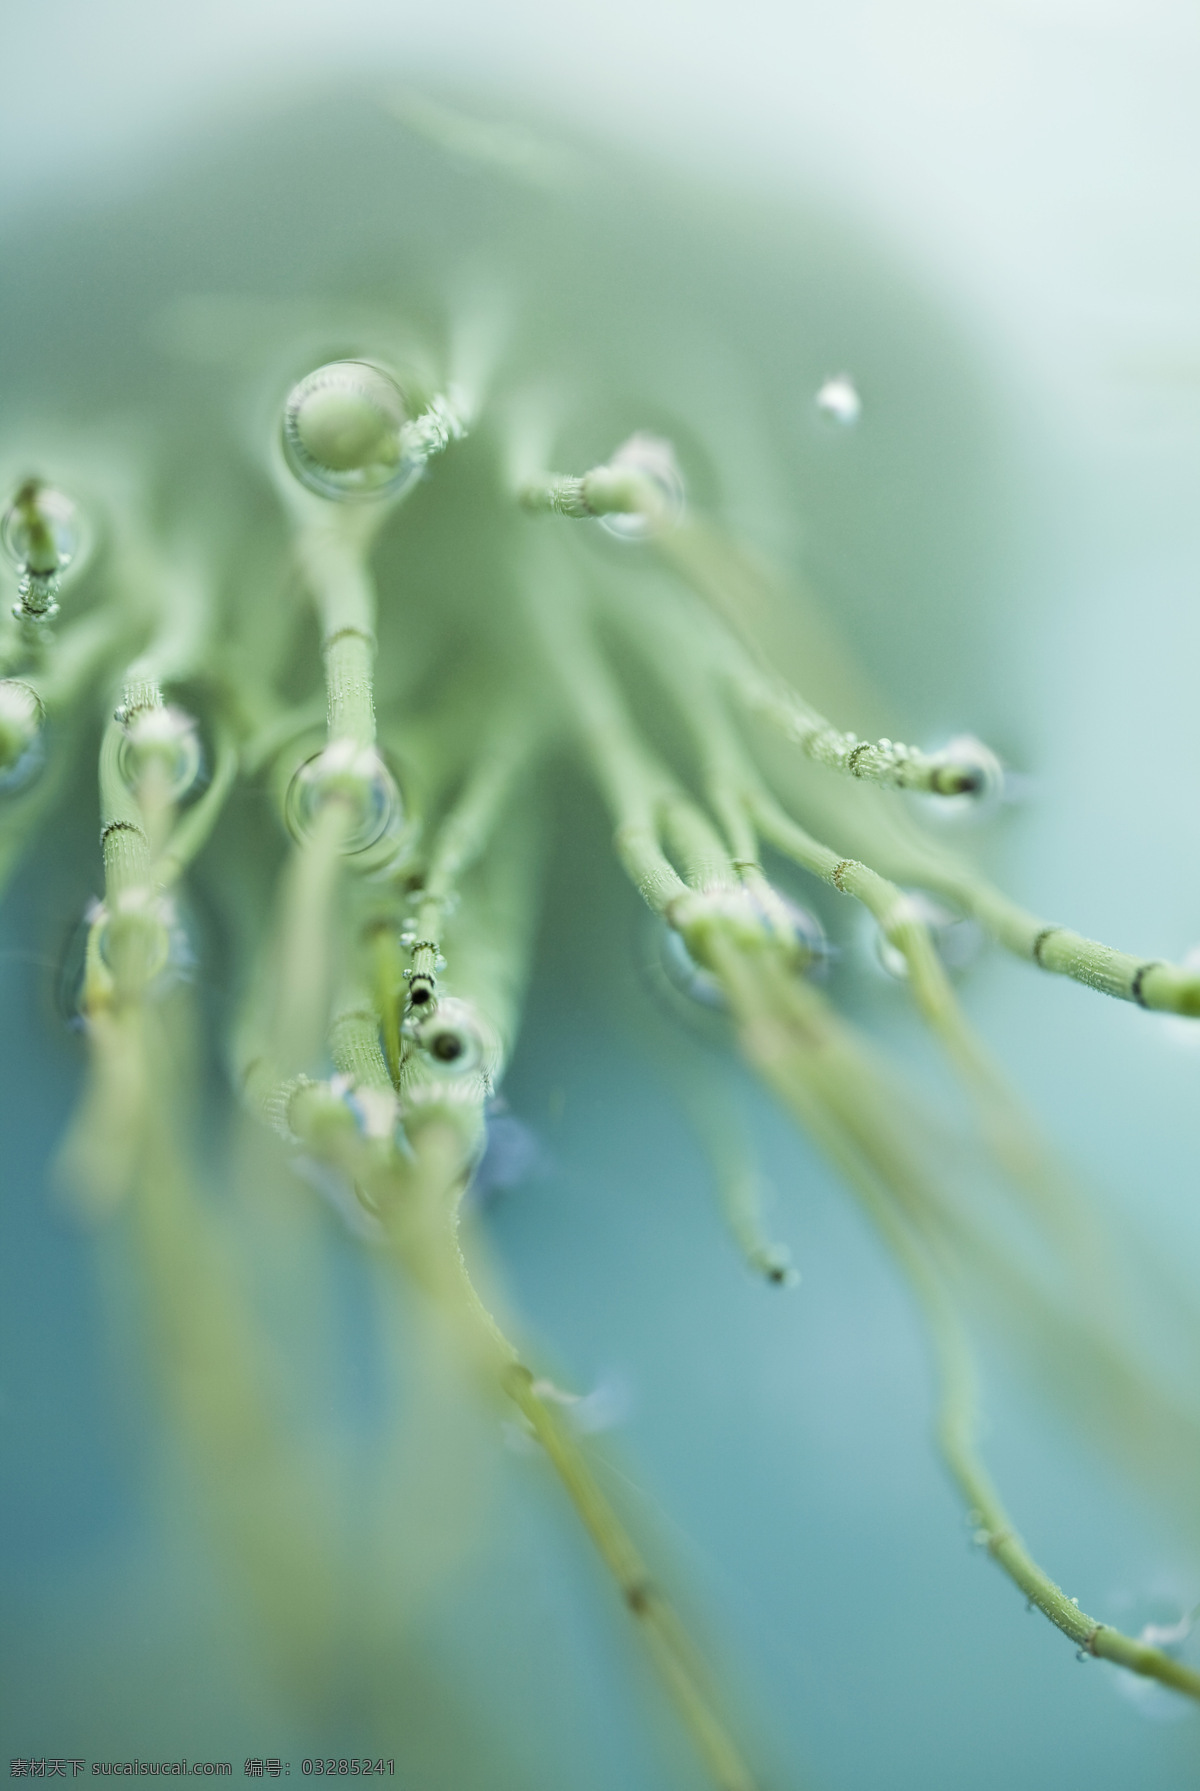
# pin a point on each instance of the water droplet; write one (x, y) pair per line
(142, 941)
(1183, 1030)
(376, 1110)
(654, 458)
(72, 964)
(451, 1039)
(957, 940)
(607, 1405)
(800, 930)
(775, 1261)
(354, 776)
(22, 749)
(163, 742)
(511, 1153)
(41, 531)
(694, 990)
(988, 790)
(682, 972)
(839, 402)
(1161, 1619)
(342, 428)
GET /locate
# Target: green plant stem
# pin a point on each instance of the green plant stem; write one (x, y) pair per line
(504, 756)
(124, 839)
(192, 830)
(419, 1206)
(632, 784)
(784, 1052)
(333, 557)
(604, 491)
(1148, 982)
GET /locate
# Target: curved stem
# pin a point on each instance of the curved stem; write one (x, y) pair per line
(794, 1060)
(191, 832)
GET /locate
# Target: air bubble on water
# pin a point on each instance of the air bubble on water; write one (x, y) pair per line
(376, 1110)
(799, 929)
(775, 1263)
(22, 745)
(163, 740)
(607, 1405)
(654, 458)
(451, 1040)
(838, 401)
(355, 777)
(169, 958)
(41, 531)
(512, 1152)
(1181, 1029)
(150, 924)
(957, 939)
(343, 433)
(1159, 1620)
(775, 915)
(683, 973)
(990, 788)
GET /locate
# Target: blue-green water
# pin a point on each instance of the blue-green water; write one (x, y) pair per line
(775, 1455)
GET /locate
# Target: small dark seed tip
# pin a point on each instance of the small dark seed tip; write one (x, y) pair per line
(637, 1596)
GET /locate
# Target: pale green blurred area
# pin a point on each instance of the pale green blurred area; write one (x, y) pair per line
(987, 215)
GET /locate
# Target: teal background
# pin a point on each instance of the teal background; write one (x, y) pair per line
(1009, 543)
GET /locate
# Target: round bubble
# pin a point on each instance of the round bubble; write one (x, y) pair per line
(342, 432)
(838, 401)
(41, 530)
(22, 749)
(654, 459)
(162, 742)
(957, 940)
(355, 777)
(988, 786)
(450, 1040)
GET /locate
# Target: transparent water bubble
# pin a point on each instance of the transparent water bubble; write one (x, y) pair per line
(354, 776)
(797, 927)
(653, 457)
(775, 1263)
(684, 976)
(22, 749)
(512, 1152)
(144, 937)
(957, 940)
(1182, 1030)
(989, 786)
(42, 530)
(801, 930)
(838, 401)
(163, 742)
(342, 432)
(609, 1403)
(451, 1039)
(1160, 1620)
(376, 1110)
(135, 934)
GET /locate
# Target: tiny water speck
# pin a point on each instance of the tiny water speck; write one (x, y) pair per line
(839, 401)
